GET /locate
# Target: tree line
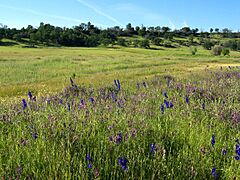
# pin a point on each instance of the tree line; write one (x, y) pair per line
(88, 35)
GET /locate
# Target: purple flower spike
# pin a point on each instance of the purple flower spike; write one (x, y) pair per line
(214, 174)
(30, 95)
(165, 94)
(162, 108)
(24, 103)
(213, 140)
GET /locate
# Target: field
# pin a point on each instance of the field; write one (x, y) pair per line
(125, 113)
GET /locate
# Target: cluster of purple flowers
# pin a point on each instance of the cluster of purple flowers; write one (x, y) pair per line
(237, 152)
(122, 161)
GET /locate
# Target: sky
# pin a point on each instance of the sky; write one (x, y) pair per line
(202, 14)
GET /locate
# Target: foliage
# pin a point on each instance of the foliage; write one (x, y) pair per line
(144, 44)
(225, 51)
(193, 50)
(121, 42)
(207, 44)
(217, 50)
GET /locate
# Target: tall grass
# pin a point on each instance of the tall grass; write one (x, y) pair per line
(158, 128)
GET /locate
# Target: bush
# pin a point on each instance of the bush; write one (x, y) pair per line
(144, 44)
(121, 42)
(193, 50)
(225, 52)
(208, 44)
(217, 50)
(157, 41)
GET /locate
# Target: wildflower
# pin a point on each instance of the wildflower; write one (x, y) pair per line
(165, 94)
(187, 100)
(213, 140)
(30, 95)
(34, 135)
(91, 100)
(88, 158)
(90, 166)
(119, 138)
(24, 142)
(224, 152)
(214, 174)
(61, 101)
(166, 103)
(162, 108)
(24, 104)
(237, 158)
(238, 149)
(168, 82)
(153, 147)
(82, 102)
(123, 162)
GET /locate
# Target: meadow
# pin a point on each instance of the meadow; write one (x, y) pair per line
(119, 113)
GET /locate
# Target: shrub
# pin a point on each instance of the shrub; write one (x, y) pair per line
(225, 52)
(217, 50)
(144, 44)
(208, 44)
(121, 42)
(157, 41)
(193, 50)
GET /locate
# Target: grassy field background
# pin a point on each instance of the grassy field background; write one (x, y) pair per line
(46, 70)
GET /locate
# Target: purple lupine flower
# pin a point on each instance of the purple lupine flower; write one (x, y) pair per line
(213, 140)
(187, 100)
(119, 138)
(168, 82)
(238, 149)
(60, 101)
(34, 135)
(224, 152)
(91, 100)
(153, 147)
(88, 157)
(162, 108)
(48, 101)
(24, 103)
(166, 103)
(82, 102)
(89, 166)
(30, 95)
(237, 158)
(214, 174)
(122, 161)
(165, 94)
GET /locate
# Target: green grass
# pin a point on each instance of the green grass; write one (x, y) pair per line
(51, 137)
(46, 70)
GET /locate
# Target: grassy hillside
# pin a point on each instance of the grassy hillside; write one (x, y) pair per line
(45, 70)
